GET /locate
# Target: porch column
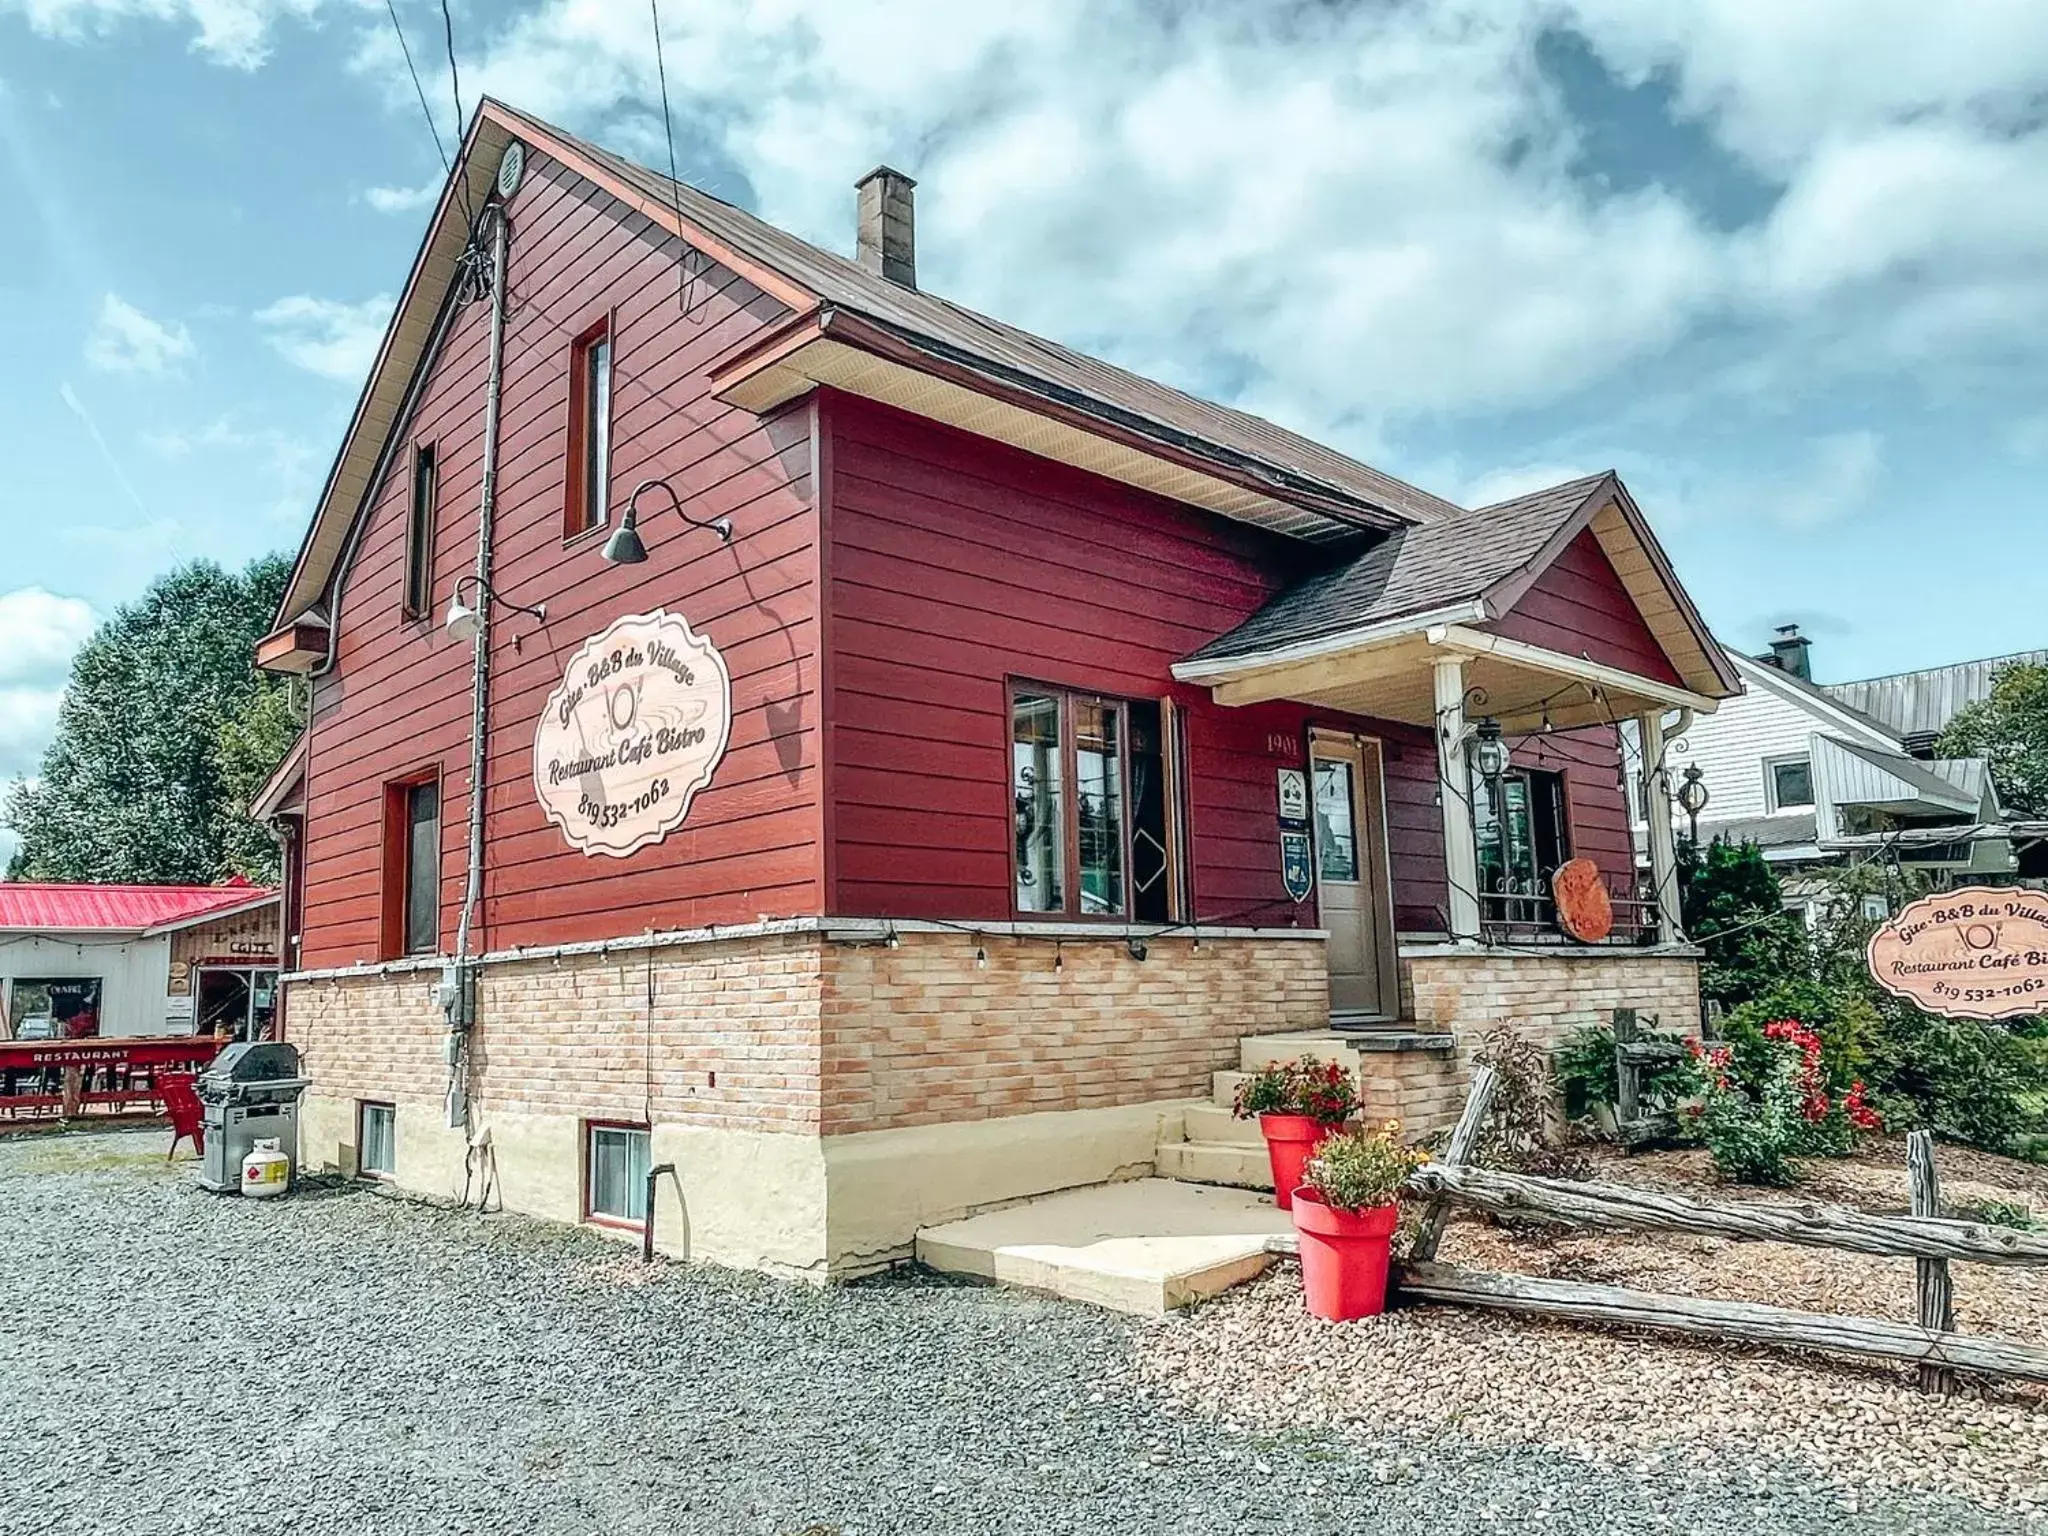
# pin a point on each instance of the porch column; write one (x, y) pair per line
(1454, 784)
(1657, 807)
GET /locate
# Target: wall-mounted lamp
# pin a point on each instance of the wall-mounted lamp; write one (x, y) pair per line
(463, 620)
(1489, 752)
(625, 546)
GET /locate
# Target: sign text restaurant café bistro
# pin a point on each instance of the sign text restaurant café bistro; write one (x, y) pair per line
(913, 754)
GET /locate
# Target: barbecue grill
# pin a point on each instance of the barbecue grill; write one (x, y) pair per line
(250, 1090)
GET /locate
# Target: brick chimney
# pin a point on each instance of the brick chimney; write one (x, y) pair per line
(888, 225)
(1791, 652)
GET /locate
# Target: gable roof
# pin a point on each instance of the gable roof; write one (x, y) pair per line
(36, 907)
(1326, 494)
(1811, 697)
(1922, 703)
(1474, 567)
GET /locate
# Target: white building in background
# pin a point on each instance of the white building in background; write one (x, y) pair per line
(124, 961)
(1818, 774)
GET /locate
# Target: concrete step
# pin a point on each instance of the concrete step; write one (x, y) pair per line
(1146, 1246)
(1215, 1122)
(1223, 1087)
(1216, 1162)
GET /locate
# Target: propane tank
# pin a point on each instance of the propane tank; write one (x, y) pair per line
(266, 1171)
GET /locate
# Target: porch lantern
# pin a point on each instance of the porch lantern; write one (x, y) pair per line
(1489, 752)
(1692, 798)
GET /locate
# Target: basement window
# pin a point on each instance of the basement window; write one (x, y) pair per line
(376, 1139)
(590, 431)
(615, 1173)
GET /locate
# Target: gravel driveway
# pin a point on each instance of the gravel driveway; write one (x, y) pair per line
(345, 1361)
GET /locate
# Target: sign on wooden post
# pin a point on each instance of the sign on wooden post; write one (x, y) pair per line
(1979, 953)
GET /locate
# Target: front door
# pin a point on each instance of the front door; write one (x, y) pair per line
(1351, 876)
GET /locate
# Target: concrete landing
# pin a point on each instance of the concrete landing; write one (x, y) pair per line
(1149, 1245)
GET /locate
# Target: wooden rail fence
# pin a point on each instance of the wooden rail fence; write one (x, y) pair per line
(1926, 1237)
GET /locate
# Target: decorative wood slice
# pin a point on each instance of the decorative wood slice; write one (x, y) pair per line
(1583, 910)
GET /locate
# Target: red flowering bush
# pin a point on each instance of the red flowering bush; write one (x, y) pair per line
(1322, 1090)
(1780, 1105)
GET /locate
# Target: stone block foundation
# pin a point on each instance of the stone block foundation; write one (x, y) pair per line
(821, 1093)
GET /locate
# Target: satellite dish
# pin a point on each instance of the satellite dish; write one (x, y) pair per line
(511, 166)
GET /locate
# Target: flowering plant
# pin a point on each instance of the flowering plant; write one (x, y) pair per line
(1362, 1169)
(1322, 1090)
(1787, 1107)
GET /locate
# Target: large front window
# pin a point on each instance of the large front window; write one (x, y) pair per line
(1518, 821)
(1069, 771)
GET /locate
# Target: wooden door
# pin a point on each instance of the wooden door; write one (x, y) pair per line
(1347, 799)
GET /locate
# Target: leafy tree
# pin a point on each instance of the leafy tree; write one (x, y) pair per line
(2009, 727)
(164, 731)
(1734, 910)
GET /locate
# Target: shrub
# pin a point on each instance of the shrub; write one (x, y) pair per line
(1516, 1135)
(1734, 910)
(1763, 1103)
(1587, 1076)
(1360, 1170)
(1965, 1081)
(1322, 1090)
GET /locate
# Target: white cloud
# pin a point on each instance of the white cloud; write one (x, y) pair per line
(39, 634)
(125, 340)
(231, 32)
(402, 199)
(325, 336)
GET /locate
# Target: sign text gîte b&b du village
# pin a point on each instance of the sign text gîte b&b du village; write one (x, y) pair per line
(1980, 953)
(635, 730)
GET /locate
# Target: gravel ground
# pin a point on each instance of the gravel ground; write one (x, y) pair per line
(345, 1361)
(1657, 1402)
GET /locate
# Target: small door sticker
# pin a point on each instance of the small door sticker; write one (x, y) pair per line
(1297, 865)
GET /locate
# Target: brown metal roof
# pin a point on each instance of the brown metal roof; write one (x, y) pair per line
(1412, 571)
(1017, 357)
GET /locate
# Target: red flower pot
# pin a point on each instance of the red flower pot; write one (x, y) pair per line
(1291, 1140)
(1344, 1256)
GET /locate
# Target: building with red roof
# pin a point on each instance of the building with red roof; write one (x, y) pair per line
(128, 960)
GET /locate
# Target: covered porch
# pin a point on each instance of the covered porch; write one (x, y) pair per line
(1520, 638)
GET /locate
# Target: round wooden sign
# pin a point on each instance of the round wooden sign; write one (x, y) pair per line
(1583, 910)
(632, 734)
(1980, 953)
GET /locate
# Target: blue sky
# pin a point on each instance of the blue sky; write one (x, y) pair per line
(1789, 273)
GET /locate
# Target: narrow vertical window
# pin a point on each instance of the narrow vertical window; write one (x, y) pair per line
(1041, 819)
(590, 432)
(423, 868)
(419, 536)
(1099, 797)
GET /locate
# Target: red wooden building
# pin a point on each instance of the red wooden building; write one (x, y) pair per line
(913, 754)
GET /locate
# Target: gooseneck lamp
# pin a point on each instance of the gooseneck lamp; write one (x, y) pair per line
(625, 547)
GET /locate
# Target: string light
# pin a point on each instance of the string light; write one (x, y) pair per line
(1059, 957)
(892, 940)
(980, 957)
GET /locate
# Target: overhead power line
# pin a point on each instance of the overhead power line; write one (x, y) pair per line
(418, 89)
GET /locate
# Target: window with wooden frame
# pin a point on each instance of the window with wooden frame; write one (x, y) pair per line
(412, 866)
(1072, 791)
(615, 1160)
(590, 431)
(419, 536)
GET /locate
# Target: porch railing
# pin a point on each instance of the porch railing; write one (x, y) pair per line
(1530, 917)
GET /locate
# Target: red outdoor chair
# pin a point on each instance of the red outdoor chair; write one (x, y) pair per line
(181, 1103)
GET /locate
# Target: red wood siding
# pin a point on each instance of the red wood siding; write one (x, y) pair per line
(398, 701)
(1579, 606)
(956, 565)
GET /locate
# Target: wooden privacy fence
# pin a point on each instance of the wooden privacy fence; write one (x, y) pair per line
(1931, 1241)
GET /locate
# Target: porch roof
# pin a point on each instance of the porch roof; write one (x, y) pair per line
(1359, 635)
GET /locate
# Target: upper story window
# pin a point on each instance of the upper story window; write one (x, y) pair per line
(1790, 781)
(419, 536)
(1069, 782)
(590, 431)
